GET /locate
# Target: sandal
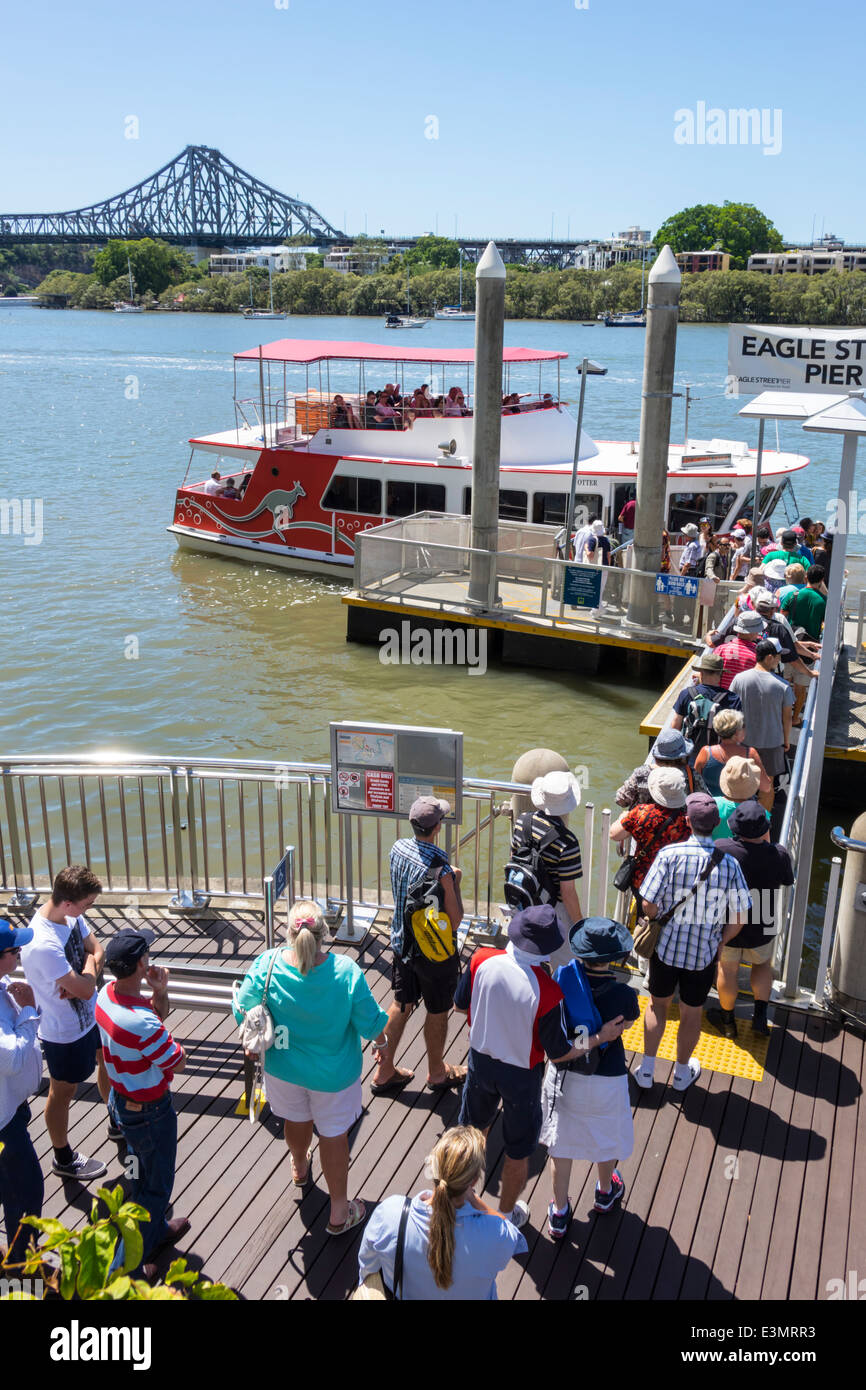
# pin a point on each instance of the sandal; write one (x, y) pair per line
(302, 1182)
(454, 1076)
(357, 1213)
(394, 1086)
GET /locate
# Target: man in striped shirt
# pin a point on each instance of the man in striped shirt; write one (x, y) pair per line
(739, 653)
(141, 1058)
(690, 942)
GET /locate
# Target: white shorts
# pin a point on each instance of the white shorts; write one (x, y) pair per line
(586, 1117)
(332, 1112)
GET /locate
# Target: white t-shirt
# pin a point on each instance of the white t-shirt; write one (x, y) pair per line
(212, 487)
(55, 950)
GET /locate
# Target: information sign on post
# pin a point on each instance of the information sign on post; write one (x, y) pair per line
(582, 586)
(380, 770)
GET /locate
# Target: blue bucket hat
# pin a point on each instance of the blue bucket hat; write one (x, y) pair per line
(671, 744)
(12, 937)
(536, 931)
(599, 939)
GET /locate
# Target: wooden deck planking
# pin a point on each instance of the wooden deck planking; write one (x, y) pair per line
(759, 1217)
(685, 1229)
(777, 1273)
(703, 1106)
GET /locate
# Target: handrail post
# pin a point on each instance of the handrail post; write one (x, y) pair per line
(827, 929)
(21, 897)
(186, 898)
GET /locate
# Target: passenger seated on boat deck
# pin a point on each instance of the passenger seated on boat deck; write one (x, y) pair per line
(453, 403)
(244, 484)
(230, 491)
(214, 485)
(342, 415)
(386, 415)
(368, 412)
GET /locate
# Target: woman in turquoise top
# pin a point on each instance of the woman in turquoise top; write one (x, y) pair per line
(322, 1007)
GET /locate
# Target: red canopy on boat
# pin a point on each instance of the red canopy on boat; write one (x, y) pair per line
(310, 350)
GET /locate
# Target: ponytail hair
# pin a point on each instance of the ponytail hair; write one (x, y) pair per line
(455, 1165)
(305, 932)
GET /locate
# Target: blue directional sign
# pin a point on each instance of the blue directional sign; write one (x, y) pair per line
(280, 877)
(680, 585)
(582, 586)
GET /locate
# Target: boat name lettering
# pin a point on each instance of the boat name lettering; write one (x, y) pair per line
(586, 482)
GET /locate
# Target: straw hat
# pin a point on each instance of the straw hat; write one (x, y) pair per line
(740, 779)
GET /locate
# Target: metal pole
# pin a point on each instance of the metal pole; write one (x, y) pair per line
(269, 913)
(665, 284)
(489, 334)
(827, 931)
(686, 439)
(832, 620)
(756, 506)
(569, 518)
(262, 395)
(347, 932)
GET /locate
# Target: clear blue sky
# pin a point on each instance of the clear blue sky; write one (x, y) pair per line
(544, 110)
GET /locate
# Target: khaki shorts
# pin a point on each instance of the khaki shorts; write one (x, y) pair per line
(757, 955)
(797, 677)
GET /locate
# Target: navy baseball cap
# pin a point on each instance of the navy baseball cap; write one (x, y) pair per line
(128, 946)
(12, 937)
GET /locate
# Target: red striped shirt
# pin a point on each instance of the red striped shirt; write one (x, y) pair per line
(139, 1052)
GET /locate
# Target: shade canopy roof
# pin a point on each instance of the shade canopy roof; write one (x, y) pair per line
(310, 350)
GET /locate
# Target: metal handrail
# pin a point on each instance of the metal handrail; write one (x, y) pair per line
(843, 841)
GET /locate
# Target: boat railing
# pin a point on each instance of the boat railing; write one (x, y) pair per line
(190, 832)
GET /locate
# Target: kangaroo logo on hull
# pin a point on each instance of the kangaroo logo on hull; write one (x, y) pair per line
(279, 502)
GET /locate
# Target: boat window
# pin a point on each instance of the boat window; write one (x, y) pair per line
(348, 494)
(686, 507)
(768, 501)
(404, 499)
(548, 508)
(512, 504)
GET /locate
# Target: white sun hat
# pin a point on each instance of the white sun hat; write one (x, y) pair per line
(556, 794)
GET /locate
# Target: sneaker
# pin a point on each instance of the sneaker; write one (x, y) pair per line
(82, 1168)
(644, 1079)
(726, 1025)
(693, 1074)
(605, 1201)
(520, 1215)
(558, 1223)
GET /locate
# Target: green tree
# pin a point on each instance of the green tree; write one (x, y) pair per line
(741, 229)
(155, 264)
(437, 251)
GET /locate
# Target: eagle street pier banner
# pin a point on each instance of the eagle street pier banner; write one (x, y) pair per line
(795, 359)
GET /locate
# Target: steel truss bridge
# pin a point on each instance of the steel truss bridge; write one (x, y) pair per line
(198, 199)
(202, 199)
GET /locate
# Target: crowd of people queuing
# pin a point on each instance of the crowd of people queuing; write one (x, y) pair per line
(546, 1011)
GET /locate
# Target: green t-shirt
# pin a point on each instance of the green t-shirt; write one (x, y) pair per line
(324, 1015)
(806, 609)
(726, 807)
(791, 557)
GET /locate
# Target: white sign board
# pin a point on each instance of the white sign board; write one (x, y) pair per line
(380, 769)
(795, 359)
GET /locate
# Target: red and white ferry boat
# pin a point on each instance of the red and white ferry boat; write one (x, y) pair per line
(309, 482)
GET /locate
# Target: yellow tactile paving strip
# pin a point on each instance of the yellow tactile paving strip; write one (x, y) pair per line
(745, 1057)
